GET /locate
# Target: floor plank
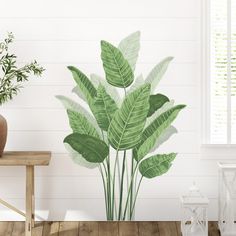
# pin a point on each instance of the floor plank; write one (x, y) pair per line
(88, 228)
(51, 228)
(178, 227)
(6, 228)
(108, 228)
(148, 228)
(213, 229)
(105, 228)
(167, 231)
(38, 229)
(18, 228)
(128, 228)
(69, 228)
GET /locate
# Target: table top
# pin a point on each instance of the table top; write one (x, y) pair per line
(186, 200)
(24, 158)
(227, 165)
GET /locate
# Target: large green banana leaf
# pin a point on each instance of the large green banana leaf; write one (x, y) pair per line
(156, 102)
(157, 73)
(171, 130)
(92, 149)
(154, 131)
(128, 122)
(166, 106)
(129, 47)
(117, 69)
(80, 124)
(85, 86)
(78, 158)
(156, 165)
(69, 104)
(104, 108)
(111, 90)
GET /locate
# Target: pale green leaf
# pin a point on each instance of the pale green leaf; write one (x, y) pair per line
(79, 93)
(157, 73)
(156, 165)
(86, 87)
(164, 137)
(117, 69)
(130, 47)
(128, 122)
(139, 81)
(69, 104)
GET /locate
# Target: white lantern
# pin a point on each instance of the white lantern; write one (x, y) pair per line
(194, 207)
(227, 199)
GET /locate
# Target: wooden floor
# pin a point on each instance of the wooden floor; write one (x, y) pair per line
(99, 229)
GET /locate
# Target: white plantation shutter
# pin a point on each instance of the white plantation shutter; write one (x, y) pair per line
(233, 71)
(222, 55)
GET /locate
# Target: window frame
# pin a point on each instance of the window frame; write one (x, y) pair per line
(210, 150)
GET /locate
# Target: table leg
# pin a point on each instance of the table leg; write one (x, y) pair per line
(29, 200)
(33, 199)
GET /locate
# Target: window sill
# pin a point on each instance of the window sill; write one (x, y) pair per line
(218, 151)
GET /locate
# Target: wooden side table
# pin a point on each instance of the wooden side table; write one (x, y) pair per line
(29, 160)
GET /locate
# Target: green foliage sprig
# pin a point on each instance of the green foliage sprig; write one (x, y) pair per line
(119, 135)
(12, 77)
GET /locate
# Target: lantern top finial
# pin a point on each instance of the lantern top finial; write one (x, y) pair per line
(194, 191)
(194, 197)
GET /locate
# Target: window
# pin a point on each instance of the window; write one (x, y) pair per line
(219, 68)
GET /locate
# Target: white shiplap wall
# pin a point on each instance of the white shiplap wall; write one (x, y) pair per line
(59, 33)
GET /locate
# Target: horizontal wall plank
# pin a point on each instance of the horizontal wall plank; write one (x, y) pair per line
(188, 164)
(97, 29)
(71, 187)
(89, 51)
(177, 74)
(94, 210)
(62, 165)
(57, 120)
(104, 8)
(44, 96)
(183, 142)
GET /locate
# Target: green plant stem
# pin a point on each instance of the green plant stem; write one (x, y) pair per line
(109, 187)
(125, 92)
(108, 182)
(127, 179)
(119, 176)
(103, 138)
(136, 195)
(122, 186)
(130, 185)
(116, 213)
(114, 183)
(104, 169)
(135, 187)
(105, 190)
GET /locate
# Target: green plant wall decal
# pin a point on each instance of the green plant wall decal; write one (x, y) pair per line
(118, 134)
